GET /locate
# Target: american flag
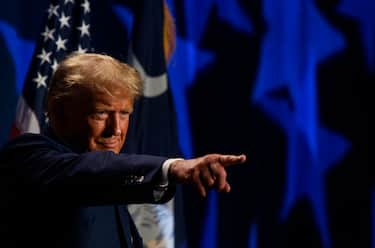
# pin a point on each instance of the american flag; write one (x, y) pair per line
(66, 30)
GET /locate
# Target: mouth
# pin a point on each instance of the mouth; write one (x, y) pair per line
(109, 144)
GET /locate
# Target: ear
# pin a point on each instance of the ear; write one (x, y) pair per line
(59, 112)
(57, 116)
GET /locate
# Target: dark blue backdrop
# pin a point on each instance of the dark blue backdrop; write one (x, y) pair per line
(285, 82)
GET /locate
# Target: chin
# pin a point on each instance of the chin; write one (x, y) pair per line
(113, 149)
(103, 148)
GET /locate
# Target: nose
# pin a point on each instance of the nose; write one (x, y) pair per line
(114, 125)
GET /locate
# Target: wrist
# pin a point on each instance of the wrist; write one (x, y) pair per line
(169, 169)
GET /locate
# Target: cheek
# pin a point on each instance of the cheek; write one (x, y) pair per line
(124, 127)
(94, 133)
(95, 128)
(124, 130)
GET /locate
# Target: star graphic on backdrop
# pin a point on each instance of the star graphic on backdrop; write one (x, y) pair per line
(48, 33)
(54, 65)
(286, 91)
(86, 6)
(228, 11)
(52, 10)
(81, 50)
(40, 80)
(60, 43)
(20, 49)
(364, 12)
(84, 28)
(44, 56)
(68, 1)
(187, 61)
(186, 64)
(64, 20)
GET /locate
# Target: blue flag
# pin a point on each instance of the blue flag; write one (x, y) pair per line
(152, 126)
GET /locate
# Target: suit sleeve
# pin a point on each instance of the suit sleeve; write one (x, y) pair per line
(40, 166)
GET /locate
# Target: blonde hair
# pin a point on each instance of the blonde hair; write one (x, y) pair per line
(99, 72)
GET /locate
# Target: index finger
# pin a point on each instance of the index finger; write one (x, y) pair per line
(226, 160)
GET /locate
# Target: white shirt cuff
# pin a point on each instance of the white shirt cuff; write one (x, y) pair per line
(165, 168)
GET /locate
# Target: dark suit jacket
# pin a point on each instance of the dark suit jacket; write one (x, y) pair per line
(51, 196)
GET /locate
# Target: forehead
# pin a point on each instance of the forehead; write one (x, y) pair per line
(92, 96)
(119, 97)
(99, 89)
(106, 99)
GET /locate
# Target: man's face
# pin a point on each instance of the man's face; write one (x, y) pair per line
(97, 121)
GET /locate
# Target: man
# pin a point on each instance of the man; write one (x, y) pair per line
(68, 187)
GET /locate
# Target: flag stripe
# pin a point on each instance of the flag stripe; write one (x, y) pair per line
(26, 119)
